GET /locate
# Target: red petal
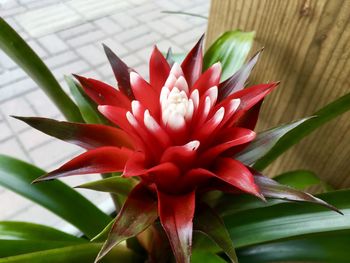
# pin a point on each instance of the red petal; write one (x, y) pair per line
(166, 177)
(100, 160)
(250, 118)
(121, 72)
(176, 215)
(249, 97)
(236, 174)
(88, 136)
(181, 155)
(208, 79)
(136, 165)
(192, 65)
(138, 212)
(236, 81)
(102, 93)
(236, 136)
(158, 70)
(144, 93)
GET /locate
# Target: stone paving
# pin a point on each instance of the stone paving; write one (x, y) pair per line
(67, 35)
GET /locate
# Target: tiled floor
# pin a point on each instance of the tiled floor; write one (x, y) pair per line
(69, 41)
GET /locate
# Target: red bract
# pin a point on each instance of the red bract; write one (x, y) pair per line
(176, 134)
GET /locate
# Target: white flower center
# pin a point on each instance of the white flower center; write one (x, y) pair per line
(176, 107)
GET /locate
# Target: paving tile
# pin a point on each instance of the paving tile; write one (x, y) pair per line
(91, 54)
(32, 138)
(11, 203)
(51, 155)
(89, 37)
(124, 20)
(5, 61)
(53, 43)
(76, 30)
(17, 106)
(11, 76)
(75, 67)
(37, 48)
(108, 25)
(41, 104)
(114, 44)
(16, 89)
(60, 59)
(149, 39)
(12, 148)
(5, 131)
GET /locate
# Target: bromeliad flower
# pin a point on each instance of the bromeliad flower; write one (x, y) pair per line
(177, 134)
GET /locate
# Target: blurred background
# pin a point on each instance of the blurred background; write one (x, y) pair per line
(68, 35)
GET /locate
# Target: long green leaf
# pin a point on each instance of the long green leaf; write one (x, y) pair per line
(16, 48)
(265, 141)
(301, 179)
(207, 257)
(208, 222)
(55, 196)
(114, 184)
(75, 254)
(10, 230)
(327, 113)
(324, 247)
(286, 220)
(231, 49)
(87, 107)
(22, 237)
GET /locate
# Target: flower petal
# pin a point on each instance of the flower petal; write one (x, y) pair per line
(144, 93)
(121, 72)
(102, 93)
(138, 212)
(181, 155)
(176, 215)
(193, 63)
(235, 136)
(208, 79)
(136, 165)
(236, 174)
(100, 160)
(158, 70)
(237, 80)
(88, 136)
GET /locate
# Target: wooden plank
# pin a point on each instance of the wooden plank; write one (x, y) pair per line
(307, 48)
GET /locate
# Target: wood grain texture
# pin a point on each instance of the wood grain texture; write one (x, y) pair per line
(307, 48)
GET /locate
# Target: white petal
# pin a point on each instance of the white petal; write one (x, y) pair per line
(190, 109)
(192, 145)
(131, 119)
(176, 121)
(219, 115)
(150, 123)
(195, 98)
(136, 107)
(181, 83)
(213, 94)
(176, 70)
(170, 81)
(234, 104)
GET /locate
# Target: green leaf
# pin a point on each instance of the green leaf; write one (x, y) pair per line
(300, 179)
(207, 257)
(327, 113)
(265, 141)
(324, 247)
(10, 230)
(87, 107)
(231, 49)
(172, 58)
(19, 51)
(115, 184)
(17, 247)
(75, 254)
(55, 196)
(208, 222)
(138, 213)
(22, 237)
(285, 220)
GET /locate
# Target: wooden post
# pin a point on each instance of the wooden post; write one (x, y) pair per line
(307, 48)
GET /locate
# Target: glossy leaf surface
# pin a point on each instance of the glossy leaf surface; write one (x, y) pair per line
(231, 49)
(55, 196)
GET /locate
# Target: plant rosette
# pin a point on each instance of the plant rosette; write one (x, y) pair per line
(179, 136)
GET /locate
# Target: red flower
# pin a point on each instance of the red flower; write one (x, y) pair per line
(177, 134)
